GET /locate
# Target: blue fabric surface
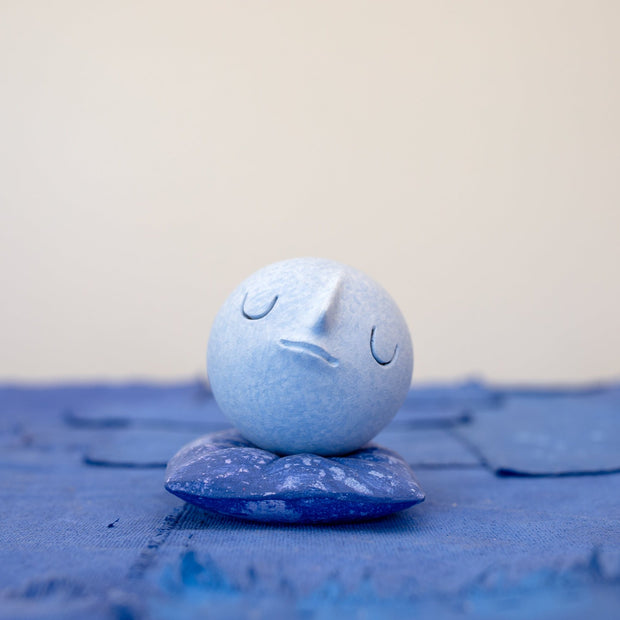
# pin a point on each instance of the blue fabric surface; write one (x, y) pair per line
(541, 436)
(225, 473)
(105, 540)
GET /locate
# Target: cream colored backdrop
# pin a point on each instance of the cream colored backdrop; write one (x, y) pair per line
(465, 154)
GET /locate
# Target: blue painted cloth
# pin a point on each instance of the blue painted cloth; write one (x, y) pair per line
(534, 436)
(87, 529)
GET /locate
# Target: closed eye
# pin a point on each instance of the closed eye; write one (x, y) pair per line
(379, 359)
(253, 316)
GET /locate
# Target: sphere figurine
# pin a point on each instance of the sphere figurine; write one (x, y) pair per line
(309, 355)
(309, 359)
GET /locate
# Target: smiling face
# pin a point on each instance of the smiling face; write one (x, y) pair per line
(309, 355)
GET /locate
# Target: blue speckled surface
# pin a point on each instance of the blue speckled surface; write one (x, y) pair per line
(88, 530)
(225, 473)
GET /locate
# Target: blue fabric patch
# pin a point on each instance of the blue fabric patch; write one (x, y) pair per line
(548, 436)
(227, 474)
(441, 398)
(144, 447)
(427, 447)
(184, 407)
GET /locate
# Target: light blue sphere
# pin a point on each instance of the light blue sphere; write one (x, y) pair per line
(309, 355)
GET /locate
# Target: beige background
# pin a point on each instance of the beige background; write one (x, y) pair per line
(465, 154)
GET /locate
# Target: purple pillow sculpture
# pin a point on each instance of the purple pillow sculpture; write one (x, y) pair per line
(225, 473)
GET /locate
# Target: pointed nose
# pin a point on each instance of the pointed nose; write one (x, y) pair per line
(325, 306)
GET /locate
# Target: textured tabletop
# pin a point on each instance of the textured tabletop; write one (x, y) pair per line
(521, 518)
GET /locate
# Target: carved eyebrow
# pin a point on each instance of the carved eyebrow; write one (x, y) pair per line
(260, 315)
(372, 349)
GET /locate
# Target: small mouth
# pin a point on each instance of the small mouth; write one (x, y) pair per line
(310, 349)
